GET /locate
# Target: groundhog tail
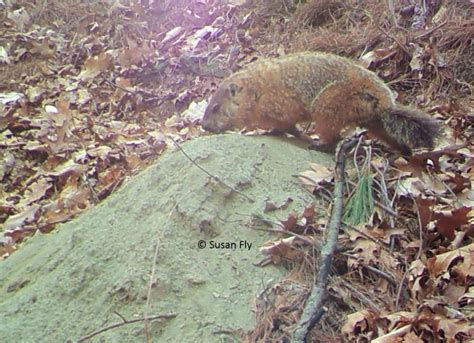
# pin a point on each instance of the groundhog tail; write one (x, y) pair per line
(411, 127)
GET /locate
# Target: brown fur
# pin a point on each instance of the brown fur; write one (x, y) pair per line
(331, 91)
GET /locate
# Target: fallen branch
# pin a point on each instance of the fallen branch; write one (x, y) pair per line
(313, 310)
(124, 322)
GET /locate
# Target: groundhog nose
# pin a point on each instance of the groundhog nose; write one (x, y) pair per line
(206, 125)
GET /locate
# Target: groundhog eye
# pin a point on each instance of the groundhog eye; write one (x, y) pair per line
(234, 89)
(215, 108)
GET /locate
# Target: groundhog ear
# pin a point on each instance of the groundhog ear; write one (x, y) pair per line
(234, 89)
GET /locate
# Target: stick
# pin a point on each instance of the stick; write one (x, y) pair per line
(124, 322)
(400, 45)
(313, 309)
(430, 31)
(206, 172)
(153, 271)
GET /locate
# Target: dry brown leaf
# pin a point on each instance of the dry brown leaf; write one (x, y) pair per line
(283, 250)
(290, 222)
(95, 65)
(446, 222)
(38, 190)
(366, 253)
(317, 177)
(27, 216)
(357, 323)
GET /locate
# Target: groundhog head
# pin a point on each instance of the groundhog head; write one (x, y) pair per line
(221, 111)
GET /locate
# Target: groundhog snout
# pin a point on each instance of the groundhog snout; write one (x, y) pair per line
(210, 124)
(206, 125)
(215, 121)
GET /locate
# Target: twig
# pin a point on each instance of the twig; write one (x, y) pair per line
(124, 322)
(392, 17)
(12, 145)
(120, 315)
(119, 87)
(420, 231)
(356, 165)
(152, 274)
(386, 209)
(361, 297)
(43, 226)
(217, 179)
(280, 229)
(40, 12)
(400, 289)
(430, 31)
(405, 50)
(384, 193)
(312, 311)
(383, 274)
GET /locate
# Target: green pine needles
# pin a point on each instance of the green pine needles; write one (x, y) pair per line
(360, 206)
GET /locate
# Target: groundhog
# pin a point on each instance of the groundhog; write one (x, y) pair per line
(331, 91)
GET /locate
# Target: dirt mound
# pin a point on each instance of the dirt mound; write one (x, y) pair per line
(67, 284)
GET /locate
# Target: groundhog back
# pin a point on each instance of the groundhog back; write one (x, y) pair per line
(278, 93)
